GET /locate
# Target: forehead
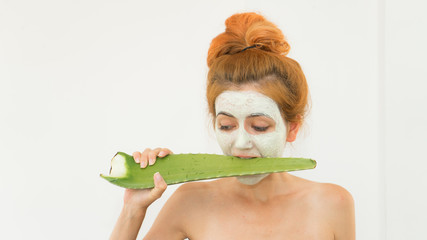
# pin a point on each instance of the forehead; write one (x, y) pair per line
(243, 103)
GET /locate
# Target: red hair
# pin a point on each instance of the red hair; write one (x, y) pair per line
(231, 64)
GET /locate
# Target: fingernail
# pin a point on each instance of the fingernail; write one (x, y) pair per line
(162, 154)
(157, 176)
(151, 161)
(137, 159)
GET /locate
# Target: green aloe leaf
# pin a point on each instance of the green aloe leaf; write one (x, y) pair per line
(179, 168)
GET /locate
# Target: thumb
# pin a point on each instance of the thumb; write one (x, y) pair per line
(159, 186)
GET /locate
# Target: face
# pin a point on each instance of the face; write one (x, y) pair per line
(249, 124)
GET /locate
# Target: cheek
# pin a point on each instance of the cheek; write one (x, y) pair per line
(225, 140)
(270, 144)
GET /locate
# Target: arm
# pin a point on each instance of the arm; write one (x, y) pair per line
(345, 227)
(136, 201)
(341, 213)
(135, 206)
(129, 223)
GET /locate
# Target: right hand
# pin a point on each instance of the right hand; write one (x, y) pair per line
(142, 198)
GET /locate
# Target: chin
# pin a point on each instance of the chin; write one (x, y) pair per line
(251, 179)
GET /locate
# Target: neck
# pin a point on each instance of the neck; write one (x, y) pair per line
(275, 184)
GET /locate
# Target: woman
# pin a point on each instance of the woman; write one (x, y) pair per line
(258, 98)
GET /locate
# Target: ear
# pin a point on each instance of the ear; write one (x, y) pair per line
(293, 131)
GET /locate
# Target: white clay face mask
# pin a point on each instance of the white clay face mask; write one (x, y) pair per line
(239, 106)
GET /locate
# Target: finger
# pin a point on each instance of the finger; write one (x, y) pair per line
(157, 151)
(136, 156)
(152, 156)
(144, 157)
(164, 152)
(159, 186)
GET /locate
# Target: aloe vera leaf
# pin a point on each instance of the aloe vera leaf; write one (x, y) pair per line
(178, 168)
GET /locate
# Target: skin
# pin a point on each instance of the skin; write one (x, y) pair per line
(280, 206)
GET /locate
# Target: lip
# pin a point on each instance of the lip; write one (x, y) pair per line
(245, 156)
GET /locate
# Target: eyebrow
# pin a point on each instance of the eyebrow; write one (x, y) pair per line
(225, 113)
(250, 116)
(259, 115)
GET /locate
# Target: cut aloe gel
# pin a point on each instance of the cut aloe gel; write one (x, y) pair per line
(179, 168)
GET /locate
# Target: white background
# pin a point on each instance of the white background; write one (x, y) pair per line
(81, 80)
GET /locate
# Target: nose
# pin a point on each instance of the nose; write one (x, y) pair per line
(243, 140)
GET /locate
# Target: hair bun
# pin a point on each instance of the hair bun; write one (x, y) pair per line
(244, 30)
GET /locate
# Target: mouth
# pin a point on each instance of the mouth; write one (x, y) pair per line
(245, 156)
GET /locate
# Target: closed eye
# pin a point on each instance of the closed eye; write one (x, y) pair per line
(226, 127)
(260, 129)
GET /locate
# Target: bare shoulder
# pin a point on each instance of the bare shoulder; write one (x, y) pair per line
(325, 194)
(339, 210)
(335, 205)
(333, 195)
(332, 199)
